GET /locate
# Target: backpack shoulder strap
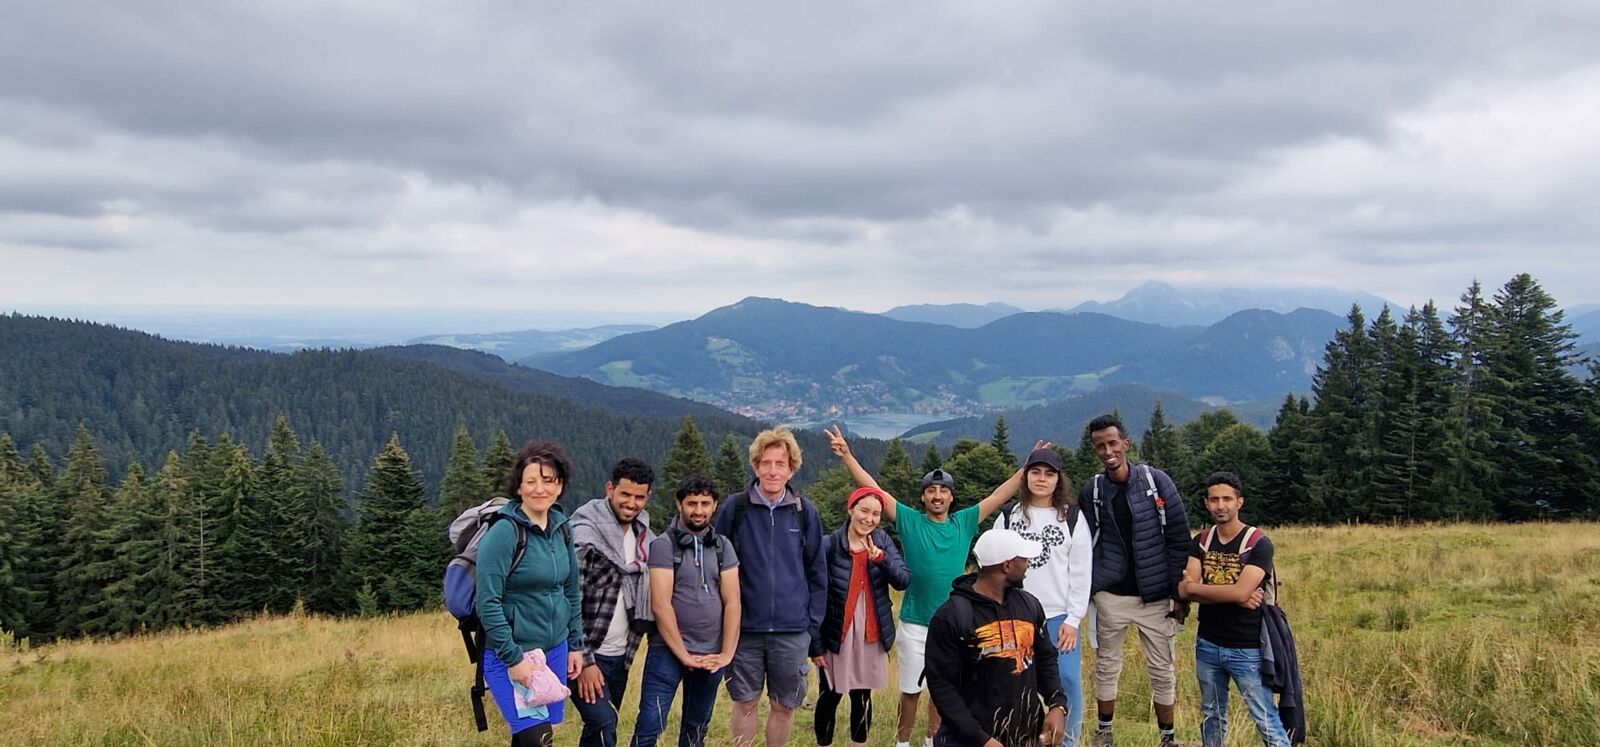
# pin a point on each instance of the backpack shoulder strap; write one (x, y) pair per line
(1155, 495)
(1252, 535)
(1206, 536)
(741, 503)
(1073, 514)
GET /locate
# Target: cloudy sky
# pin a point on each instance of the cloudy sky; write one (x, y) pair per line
(679, 156)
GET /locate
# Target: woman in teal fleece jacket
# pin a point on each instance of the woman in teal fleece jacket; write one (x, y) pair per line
(535, 605)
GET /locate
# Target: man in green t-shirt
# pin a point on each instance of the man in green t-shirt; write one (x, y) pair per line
(935, 546)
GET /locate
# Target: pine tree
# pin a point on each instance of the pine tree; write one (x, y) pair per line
(136, 595)
(323, 526)
(245, 542)
(1001, 441)
(38, 528)
(40, 466)
(180, 517)
(276, 502)
(1436, 397)
(1476, 435)
(1591, 431)
(208, 519)
(396, 547)
(497, 461)
(962, 446)
(88, 563)
(688, 457)
(1160, 441)
(464, 485)
(1284, 495)
(931, 459)
(896, 476)
(731, 476)
(1341, 419)
(1393, 492)
(1532, 351)
(13, 597)
(1083, 464)
(978, 471)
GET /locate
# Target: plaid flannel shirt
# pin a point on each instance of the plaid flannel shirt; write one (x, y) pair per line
(602, 591)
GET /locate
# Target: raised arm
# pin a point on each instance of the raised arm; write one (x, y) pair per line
(858, 473)
(1006, 490)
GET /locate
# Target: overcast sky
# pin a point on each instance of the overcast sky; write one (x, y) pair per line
(679, 156)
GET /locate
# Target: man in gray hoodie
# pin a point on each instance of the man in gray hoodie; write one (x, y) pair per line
(611, 538)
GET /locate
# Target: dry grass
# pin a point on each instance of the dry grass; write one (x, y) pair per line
(1455, 634)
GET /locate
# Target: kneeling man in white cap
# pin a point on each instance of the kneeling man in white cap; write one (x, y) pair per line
(991, 667)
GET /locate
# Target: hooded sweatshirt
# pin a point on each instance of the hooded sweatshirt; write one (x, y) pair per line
(989, 666)
(537, 604)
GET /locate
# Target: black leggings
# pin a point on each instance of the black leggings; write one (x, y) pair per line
(538, 736)
(828, 702)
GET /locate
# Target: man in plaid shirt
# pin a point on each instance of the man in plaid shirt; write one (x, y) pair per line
(611, 537)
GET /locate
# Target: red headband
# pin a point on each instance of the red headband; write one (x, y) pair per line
(850, 503)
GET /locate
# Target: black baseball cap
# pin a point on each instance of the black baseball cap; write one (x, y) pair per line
(939, 477)
(1046, 457)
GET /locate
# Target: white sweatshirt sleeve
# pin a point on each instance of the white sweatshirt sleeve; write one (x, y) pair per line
(1079, 575)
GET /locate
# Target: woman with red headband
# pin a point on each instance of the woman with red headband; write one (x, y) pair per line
(858, 626)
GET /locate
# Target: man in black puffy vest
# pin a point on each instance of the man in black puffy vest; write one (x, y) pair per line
(1141, 546)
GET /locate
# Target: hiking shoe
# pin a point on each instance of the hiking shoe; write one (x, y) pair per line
(1102, 738)
(1170, 742)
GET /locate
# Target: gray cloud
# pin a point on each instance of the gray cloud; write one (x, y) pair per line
(976, 150)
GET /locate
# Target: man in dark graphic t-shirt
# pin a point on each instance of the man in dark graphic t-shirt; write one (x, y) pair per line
(1228, 566)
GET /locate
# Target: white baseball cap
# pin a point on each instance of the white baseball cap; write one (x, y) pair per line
(996, 546)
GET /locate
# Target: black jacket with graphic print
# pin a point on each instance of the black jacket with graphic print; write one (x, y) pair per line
(991, 667)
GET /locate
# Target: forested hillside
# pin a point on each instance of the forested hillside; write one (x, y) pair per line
(142, 396)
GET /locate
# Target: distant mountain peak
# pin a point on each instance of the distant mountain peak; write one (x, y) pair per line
(1157, 302)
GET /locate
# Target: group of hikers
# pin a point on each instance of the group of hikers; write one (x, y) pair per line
(747, 592)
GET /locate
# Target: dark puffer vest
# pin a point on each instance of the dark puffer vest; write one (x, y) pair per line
(891, 571)
(1159, 555)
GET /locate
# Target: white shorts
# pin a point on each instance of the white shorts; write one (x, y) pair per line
(911, 648)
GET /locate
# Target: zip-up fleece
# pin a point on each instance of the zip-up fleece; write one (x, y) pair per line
(989, 664)
(1159, 555)
(538, 605)
(782, 591)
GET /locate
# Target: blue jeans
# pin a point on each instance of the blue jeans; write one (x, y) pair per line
(1214, 665)
(600, 717)
(1071, 668)
(662, 674)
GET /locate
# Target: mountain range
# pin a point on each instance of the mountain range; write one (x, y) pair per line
(789, 361)
(1161, 303)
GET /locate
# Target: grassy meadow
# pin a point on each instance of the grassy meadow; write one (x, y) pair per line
(1455, 634)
